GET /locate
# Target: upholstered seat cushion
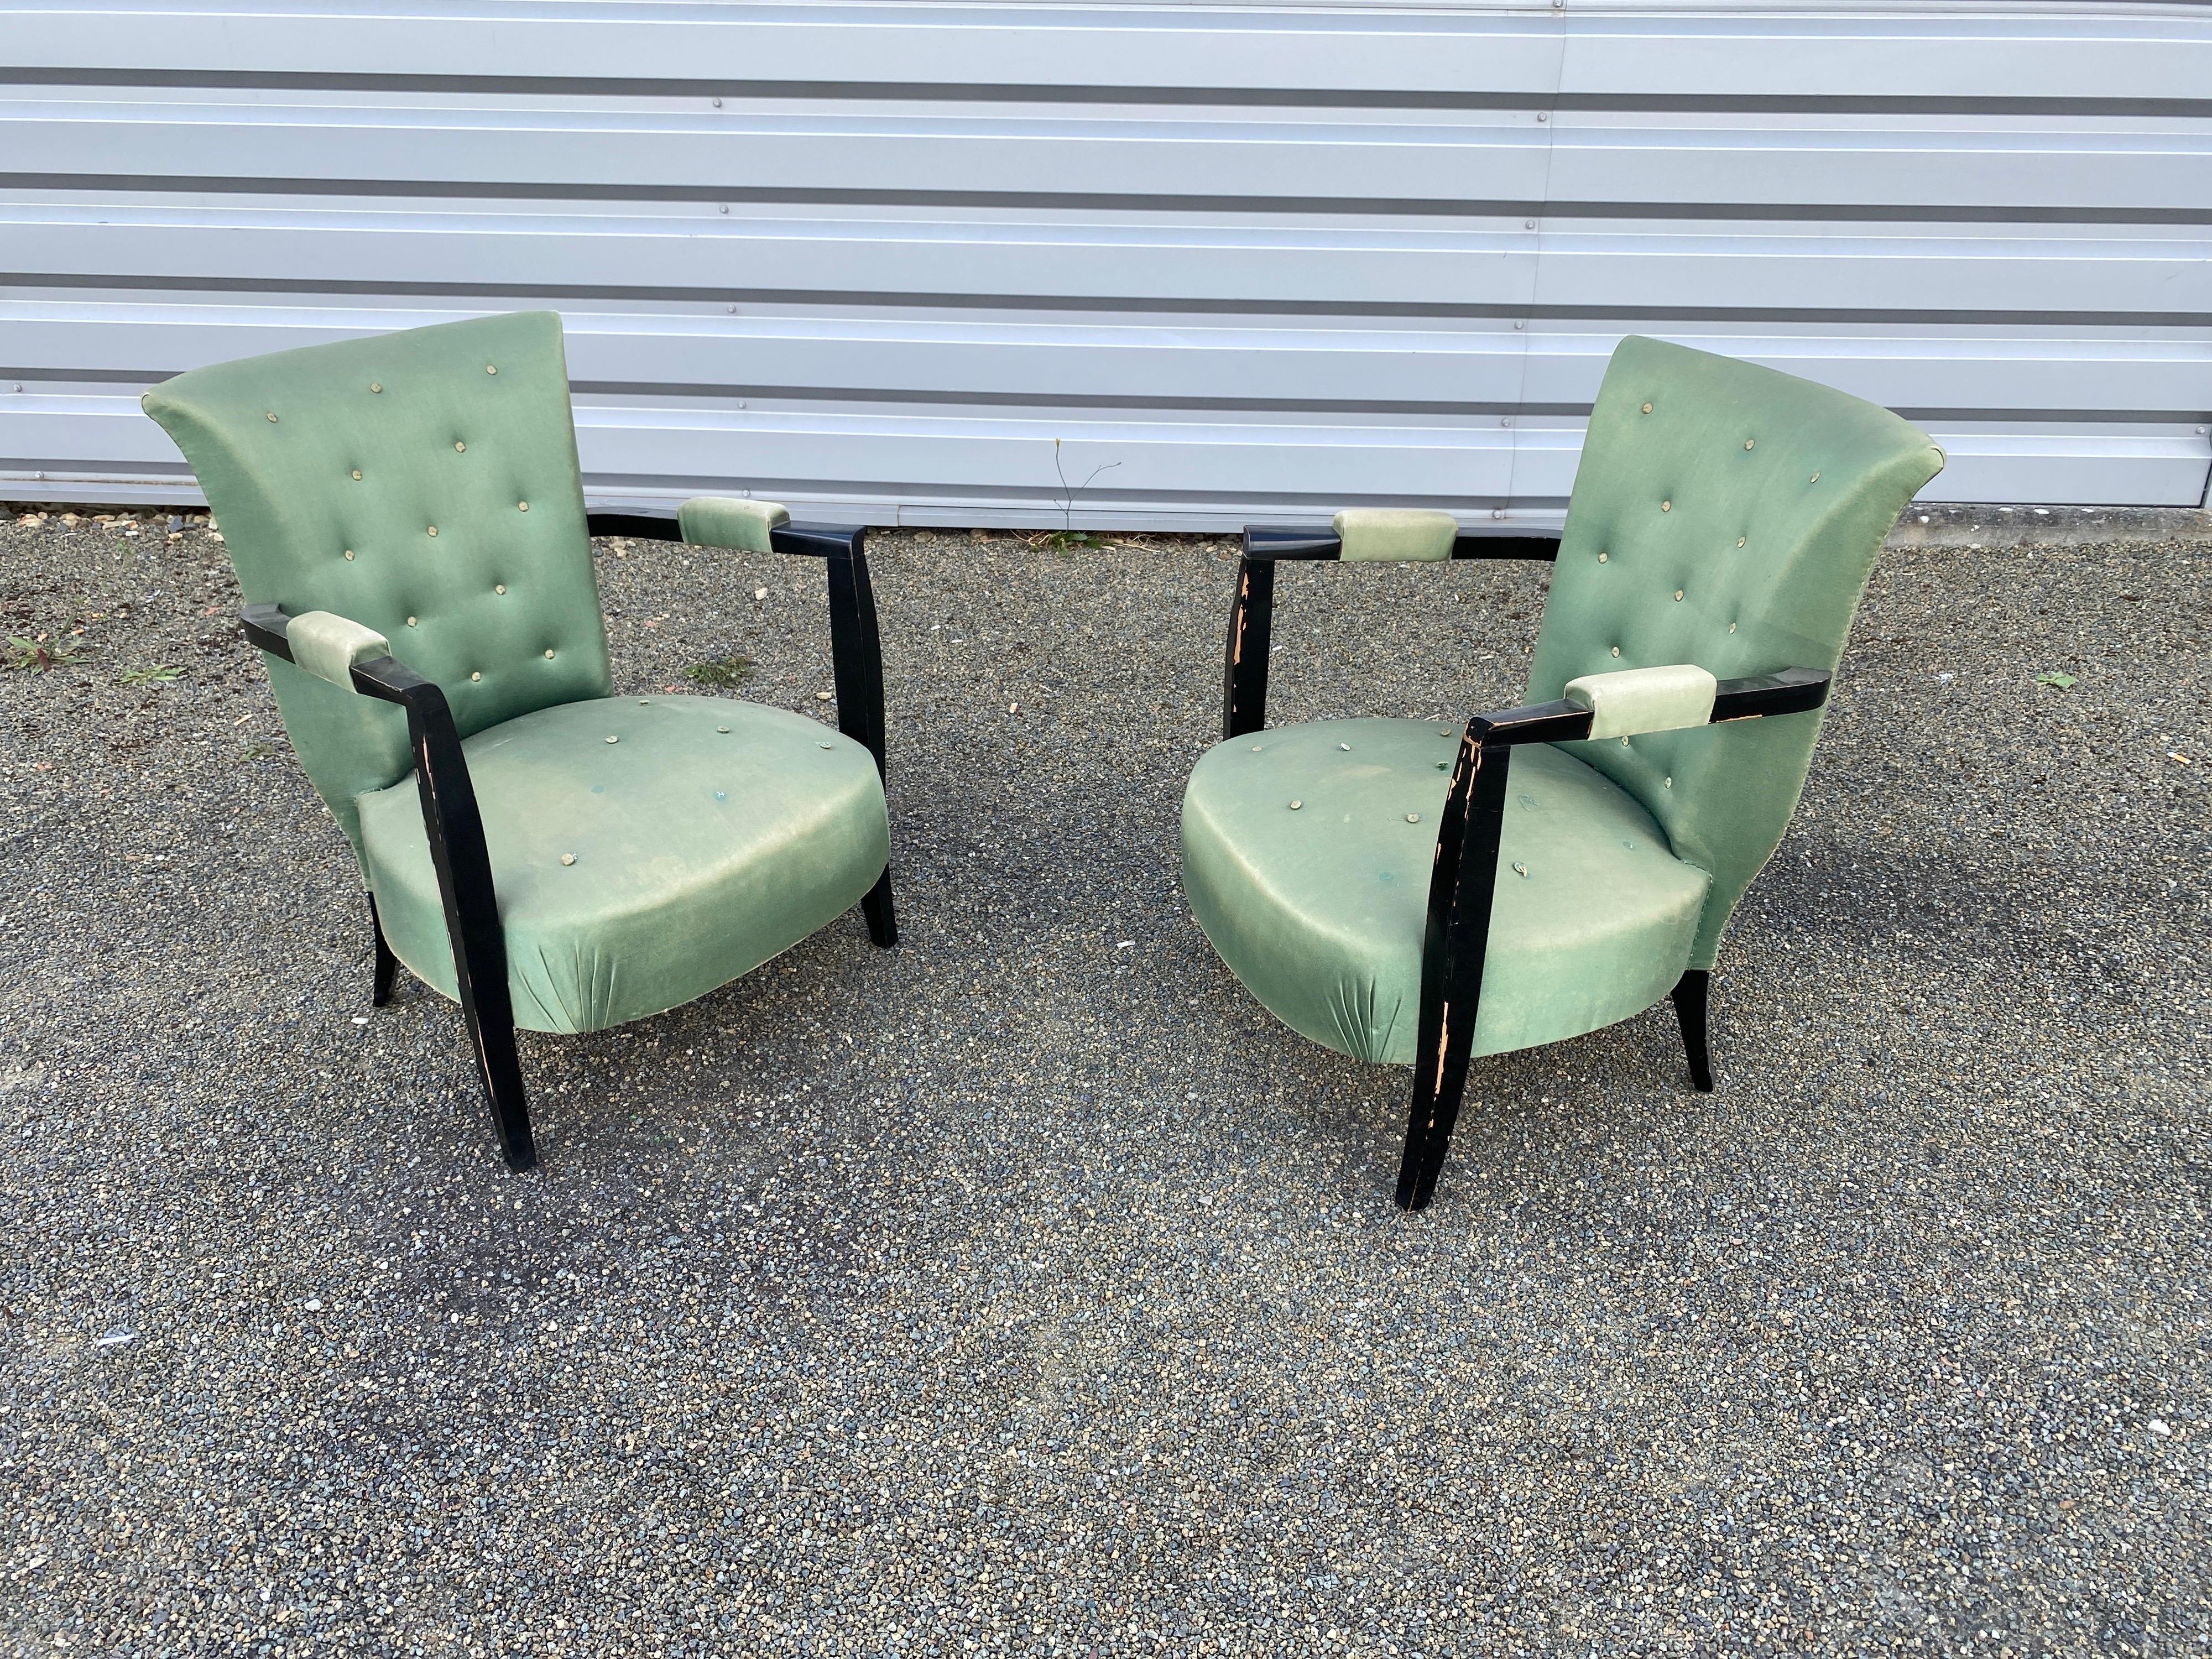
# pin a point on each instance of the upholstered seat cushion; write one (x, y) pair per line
(1320, 909)
(637, 874)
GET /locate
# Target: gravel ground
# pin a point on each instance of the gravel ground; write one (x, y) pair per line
(1027, 1290)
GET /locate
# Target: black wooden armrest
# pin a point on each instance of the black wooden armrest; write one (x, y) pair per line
(1251, 614)
(856, 652)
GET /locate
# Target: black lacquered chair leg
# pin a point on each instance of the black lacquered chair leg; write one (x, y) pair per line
(387, 965)
(501, 1068)
(883, 922)
(1690, 1008)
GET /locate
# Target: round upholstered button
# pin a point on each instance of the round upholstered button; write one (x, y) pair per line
(1678, 595)
(724, 729)
(1731, 628)
(522, 507)
(1346, 747)
(567, 858)
(356, 473)
(1601, 558)
(1666, 506)
(1519, 868)
(1616, 650)
(411, 622)
(499, 587)
(1747, 443)
(376, 385)
(476, 676)
(433, 530)
(643, 703)
(614, 739)
(1670, 783)
(1739, 541)
(1295, 805)
(1647, 408)
(548, 653)
(349, 552)
(1815, 478)
(459, 448)
(491, 368)
(272, 417)
(829, 746)
(1413, 818)
(1255, 748)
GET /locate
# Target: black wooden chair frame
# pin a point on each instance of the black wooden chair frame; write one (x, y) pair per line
(1463, 875)
(455, 827)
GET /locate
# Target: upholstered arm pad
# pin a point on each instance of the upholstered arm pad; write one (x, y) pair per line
(327, 645)
(1393, 532)
(726, 521)
(1636, 699)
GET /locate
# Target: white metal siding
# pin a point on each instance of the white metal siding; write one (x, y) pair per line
(1251, 262)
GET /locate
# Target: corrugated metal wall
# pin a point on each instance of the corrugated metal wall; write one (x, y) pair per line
(1244, 262)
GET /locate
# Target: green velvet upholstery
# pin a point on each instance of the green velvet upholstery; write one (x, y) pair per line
(1724, 523)
(727, 521)
(328, 647)
(636, 875)
(463, 430)
(1734, 525)
(1319, 909)
(1631, 702)
(1374, 534)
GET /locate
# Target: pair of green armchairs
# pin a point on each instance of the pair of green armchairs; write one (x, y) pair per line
(406, 517)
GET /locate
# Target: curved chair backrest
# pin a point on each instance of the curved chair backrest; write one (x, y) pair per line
(1726, 515)
(425, 485)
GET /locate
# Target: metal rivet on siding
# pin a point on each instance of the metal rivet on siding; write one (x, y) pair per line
(349, 552)
(1666, 506)
(1616, 650)
(522, 507)
(476, 676)
(567, 858)
(1295, 805)
(499, 587)
(356, 473)
(433, 530)
(459, 448)
(1601, 558)
(1647, 408)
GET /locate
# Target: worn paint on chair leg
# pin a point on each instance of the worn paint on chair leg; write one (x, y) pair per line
(1244, 659)
(387, 965)
(1461, 885)
(1690, 994)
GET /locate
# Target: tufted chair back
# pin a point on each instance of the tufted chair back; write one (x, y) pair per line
(424, 485)
(1726, 515)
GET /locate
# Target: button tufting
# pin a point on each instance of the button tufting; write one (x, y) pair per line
(1344, 746)
(433, 530)
(1666, 506)
(1616, 650)
(1647, 408)
(567, 858)
(1815, 478)
(499, 587)
(1444, 766)
(1670, 783)
(1413, 818)
(1746, 443)
(548, 653)
(522, 507)
(491, 368)
(459, 448)
(1295, 805)
(721, 794)
(613, 740)
(1601, 558)
(1624, 742)
(376, 385)
(829, 746)
(1731, 628)
(1678, 595)
(349, 552)
(272, 417)
(478, 676)
(1739, 541)
(411, 622)
(722, 728)
(1519, 868)
(356, 475)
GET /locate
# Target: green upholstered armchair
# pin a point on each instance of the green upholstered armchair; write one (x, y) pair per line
(1405, 891)
(406, 517)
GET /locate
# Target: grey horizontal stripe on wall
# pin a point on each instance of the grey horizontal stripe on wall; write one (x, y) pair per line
(1107, 201)
(1041, 93)
(139, 379)
(77, 280)
(1094, 496)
